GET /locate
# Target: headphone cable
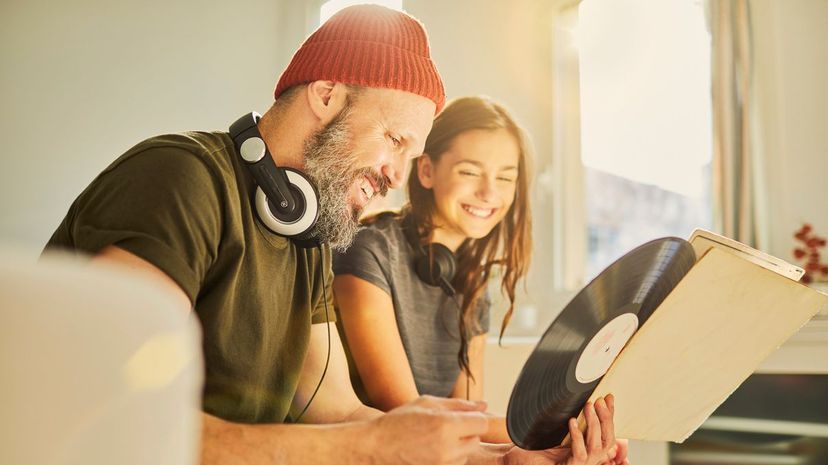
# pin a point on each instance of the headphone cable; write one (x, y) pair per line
(456, 300)
(328, 326)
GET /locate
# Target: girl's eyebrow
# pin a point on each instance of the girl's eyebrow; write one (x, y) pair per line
(480, 165)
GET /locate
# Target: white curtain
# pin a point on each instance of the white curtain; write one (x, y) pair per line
(738, 192)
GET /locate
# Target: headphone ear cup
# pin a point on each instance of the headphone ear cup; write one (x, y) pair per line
(445, 257)
(436, 266)
(307, 205)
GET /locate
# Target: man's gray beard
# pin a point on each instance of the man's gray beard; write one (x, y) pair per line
(330, 163)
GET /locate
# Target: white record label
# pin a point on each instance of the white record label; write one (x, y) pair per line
(601, 351)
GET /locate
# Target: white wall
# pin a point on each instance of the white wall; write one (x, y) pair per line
(791, 53)
(83, 80)
(504, 50)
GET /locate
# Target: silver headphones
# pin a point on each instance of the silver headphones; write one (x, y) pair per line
(287, 201)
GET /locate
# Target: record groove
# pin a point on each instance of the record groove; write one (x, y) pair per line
(573, 354)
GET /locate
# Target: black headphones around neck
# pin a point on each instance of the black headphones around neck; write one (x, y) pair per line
(287, 202)
(435, 266)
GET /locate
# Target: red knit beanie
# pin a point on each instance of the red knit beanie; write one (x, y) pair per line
(371, 46)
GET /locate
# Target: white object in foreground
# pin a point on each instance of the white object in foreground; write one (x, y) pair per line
(97, 367)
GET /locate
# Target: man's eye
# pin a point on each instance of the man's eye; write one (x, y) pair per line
(506, 179)
(395, 141)
(468, 173)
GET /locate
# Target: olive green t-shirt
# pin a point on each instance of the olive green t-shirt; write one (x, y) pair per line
(183, 203)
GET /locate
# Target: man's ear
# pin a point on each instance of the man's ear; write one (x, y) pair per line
(425, 171)
(326, 99)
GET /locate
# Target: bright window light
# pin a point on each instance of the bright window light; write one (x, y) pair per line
(330, 8)
(646, 139)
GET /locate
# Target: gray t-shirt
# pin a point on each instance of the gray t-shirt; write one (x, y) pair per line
(426, 316)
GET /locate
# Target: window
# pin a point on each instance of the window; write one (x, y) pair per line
(645, 123)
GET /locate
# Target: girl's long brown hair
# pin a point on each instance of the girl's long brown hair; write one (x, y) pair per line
(509, 244)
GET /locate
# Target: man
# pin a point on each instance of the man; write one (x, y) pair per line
(353, 107)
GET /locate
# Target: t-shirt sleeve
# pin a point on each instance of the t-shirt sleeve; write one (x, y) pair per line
(161, 204)
(365, 259)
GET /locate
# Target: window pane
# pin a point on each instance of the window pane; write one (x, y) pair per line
(645, 122)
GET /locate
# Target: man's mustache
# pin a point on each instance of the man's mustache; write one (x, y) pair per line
(382, 182)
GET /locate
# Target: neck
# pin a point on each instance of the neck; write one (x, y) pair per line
(284, 130)
(450, 239)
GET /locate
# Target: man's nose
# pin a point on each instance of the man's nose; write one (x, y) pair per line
(395, 171)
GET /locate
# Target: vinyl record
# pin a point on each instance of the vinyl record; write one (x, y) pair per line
(580, 345)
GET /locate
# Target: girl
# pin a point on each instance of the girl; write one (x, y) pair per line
(411, 291)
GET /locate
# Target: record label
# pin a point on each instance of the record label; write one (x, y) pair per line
(601, 351)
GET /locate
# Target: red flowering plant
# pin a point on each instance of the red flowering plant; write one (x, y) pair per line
(807, 253)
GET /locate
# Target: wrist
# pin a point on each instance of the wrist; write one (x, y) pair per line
(489, 454)
(359, 442)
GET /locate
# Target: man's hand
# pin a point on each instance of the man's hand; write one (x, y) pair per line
(599, 447)
(429, 430)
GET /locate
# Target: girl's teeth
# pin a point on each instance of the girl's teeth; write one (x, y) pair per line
(478, 212)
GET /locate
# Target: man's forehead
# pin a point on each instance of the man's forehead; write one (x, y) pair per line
(400, 104)
(407, 116)
(410, 112)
